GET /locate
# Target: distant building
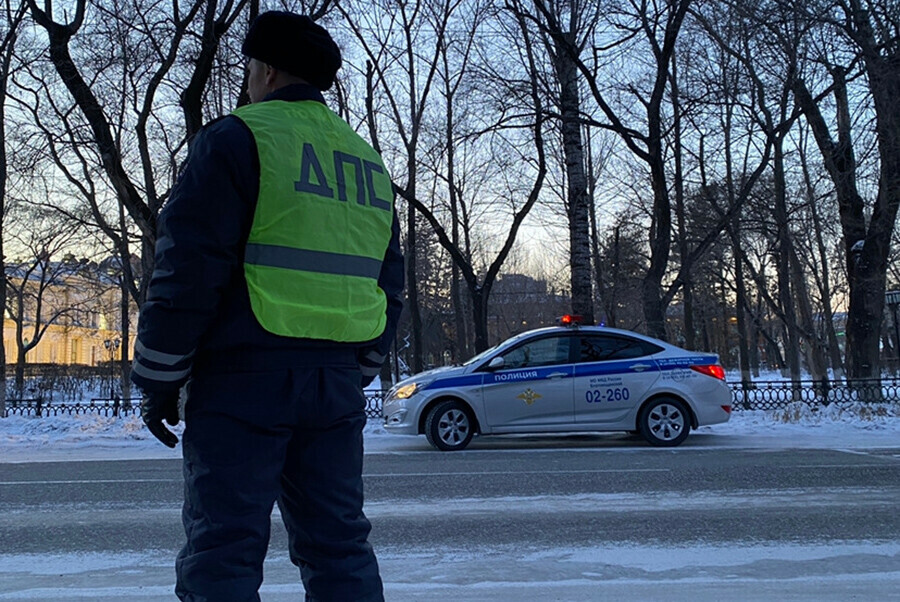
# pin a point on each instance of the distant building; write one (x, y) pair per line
(82, 302)
(519, 302)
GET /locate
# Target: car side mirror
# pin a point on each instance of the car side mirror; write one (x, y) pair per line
(496, 363)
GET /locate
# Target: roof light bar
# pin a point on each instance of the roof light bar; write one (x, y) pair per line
(569, 320)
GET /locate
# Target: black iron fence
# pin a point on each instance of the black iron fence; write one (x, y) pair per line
(759, 395)
(39, 407)
(773, 395)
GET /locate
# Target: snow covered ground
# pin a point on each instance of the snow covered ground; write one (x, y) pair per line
(94, 437)
(830, 570)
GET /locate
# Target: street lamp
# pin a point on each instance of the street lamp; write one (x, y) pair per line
(892, 298)
(112, 346)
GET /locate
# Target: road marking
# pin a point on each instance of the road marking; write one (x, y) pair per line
(89, 482)
(835, 466)
(868, 454)
(378, 475)
(852, 451)
(514, 472)
(628, 502)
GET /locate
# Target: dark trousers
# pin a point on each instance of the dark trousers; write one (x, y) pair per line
(293, 437)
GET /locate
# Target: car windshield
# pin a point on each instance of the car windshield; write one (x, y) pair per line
(477, 358)
(487, 352)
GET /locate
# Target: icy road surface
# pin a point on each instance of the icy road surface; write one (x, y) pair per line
(757, 509)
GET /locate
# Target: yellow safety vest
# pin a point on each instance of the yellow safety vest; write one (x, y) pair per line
(322, 225)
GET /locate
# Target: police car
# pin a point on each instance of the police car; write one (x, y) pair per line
(567, 378)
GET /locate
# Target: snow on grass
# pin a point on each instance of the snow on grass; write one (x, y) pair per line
(93, 436)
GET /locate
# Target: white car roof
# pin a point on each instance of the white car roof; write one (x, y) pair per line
(592, 330)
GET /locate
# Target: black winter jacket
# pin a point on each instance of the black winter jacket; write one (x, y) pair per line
(197, 316)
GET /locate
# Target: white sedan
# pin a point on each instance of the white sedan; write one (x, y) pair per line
(564, 379)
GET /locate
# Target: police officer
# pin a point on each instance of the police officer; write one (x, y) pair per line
(276, 292)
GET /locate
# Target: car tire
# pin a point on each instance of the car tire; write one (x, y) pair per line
(665, 422)
(449, 426)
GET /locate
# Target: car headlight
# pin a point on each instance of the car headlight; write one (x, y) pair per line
(406, 391)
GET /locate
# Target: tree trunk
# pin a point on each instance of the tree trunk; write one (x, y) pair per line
(754, 346)
(456, 295)
(192, 96)
(660, 240)
(3, 181)
(783, 267)
(868, 271)
(20, 373)
(612, 298)
(815, 350)
(687, 293)
(741, 304)
(834, 350)
(124, 361)
(412, 291)
(866, 246)
(598, 265)
(480, 318)
(386, 373)
(578, 201)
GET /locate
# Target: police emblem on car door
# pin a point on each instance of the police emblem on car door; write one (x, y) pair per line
(533, 385)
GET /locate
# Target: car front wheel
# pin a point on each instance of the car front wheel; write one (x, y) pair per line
(665, 422)
(449, 426)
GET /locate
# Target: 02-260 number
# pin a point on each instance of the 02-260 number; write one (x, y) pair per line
(601, 395)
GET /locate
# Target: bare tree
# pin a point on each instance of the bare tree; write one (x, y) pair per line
(13, 14)
(407, 37)
(870, 33)
(658, 25)
(528, 95)
(819, 257)
(158, 38)
(572, 23)
(35, 282)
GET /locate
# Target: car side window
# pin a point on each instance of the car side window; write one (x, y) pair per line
(601, 348)
(542, 352)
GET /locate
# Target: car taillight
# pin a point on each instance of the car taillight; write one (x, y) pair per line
(714, 370)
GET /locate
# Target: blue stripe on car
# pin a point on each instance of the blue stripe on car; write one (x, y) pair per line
(527, 374)
(593, 369)
(616, 367)
(455, 381)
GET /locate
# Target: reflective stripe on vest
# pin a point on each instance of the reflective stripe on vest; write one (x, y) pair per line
(321, 227)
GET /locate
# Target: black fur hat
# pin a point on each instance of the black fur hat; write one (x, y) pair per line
(295, 44)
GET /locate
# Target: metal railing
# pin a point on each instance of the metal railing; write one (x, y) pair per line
(758, 395)
(774, 395)
(39, 407)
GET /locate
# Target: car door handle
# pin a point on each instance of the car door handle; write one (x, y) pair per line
(639, 367)
(557, 375)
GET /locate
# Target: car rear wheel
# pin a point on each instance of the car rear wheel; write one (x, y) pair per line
(449, 426)
(665, 422)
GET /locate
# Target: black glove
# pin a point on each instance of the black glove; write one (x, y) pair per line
(157, 405)
(370, 365)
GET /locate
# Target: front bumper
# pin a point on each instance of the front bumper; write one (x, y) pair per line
(399, 419)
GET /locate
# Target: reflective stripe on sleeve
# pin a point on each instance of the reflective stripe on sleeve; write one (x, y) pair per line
(159, 357)
(159, 375)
